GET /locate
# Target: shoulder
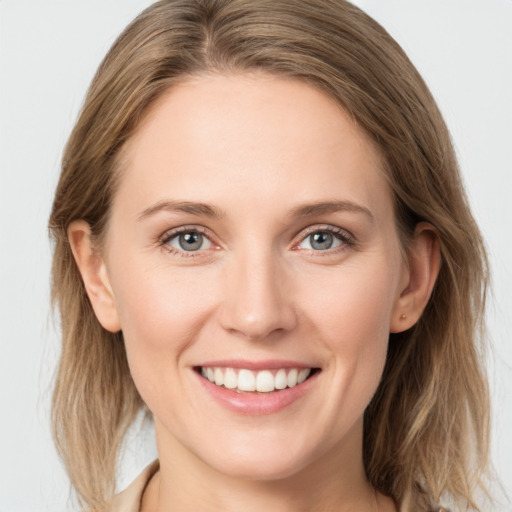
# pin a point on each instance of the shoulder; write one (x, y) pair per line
(129, 500)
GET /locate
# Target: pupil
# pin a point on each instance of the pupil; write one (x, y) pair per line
(322, 241)
(191, 241)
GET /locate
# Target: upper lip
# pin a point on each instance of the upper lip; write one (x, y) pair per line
(268, 364)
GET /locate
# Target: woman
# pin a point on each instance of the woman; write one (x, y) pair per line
(262, 237)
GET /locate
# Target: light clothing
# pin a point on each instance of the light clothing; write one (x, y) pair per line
(130, 499)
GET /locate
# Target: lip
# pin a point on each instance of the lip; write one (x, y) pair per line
(254, 403)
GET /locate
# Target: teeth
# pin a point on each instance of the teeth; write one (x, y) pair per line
(264, 381)
(218, 376)
(246, 381)
(303, 375)
(292, 378)
(281, 380)
(230, 379)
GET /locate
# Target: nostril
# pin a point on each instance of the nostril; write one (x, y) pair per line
(255, 306)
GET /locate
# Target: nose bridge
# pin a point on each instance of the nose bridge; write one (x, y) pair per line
(256, 302)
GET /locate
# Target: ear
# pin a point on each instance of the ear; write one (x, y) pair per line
(94, 274)
(419, 277)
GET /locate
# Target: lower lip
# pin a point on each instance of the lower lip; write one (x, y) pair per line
(257, 404)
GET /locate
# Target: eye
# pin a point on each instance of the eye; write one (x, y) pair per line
(188, 241)
(325, 239)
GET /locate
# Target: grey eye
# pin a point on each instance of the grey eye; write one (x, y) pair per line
(190, 241)
(321, 241)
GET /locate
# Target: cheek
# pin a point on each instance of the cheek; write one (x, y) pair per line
(161, 311)
(357, 300)
(352, 319)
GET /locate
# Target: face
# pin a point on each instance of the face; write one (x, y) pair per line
(252, 242)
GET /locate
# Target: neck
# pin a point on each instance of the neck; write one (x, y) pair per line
(333, 482)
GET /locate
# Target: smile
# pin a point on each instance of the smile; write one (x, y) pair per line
(263, 381)
(256, 388)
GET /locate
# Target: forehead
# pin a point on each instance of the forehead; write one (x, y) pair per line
(253, 137)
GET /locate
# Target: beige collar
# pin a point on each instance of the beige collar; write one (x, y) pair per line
(130, 499)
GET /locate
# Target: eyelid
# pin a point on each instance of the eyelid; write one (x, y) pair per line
(169, 233)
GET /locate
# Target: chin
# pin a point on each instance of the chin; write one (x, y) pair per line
(260, 459)
(263, 471)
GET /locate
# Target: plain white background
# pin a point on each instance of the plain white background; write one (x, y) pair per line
(49, 51)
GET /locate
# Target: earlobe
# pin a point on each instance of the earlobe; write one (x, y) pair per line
(94, 275)
(423, 265)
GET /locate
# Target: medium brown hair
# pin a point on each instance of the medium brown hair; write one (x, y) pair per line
(426, 430)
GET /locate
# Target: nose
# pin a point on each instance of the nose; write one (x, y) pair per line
(258, 300)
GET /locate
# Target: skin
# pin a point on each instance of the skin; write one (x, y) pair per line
(255, 148)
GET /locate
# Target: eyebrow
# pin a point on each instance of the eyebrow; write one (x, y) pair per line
(206, 210)
(199, 209)
(310, 210)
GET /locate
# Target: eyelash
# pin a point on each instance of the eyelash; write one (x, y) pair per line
(346, 238)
